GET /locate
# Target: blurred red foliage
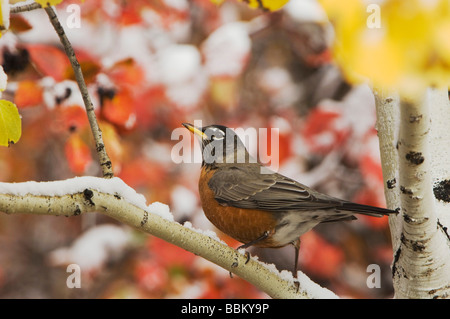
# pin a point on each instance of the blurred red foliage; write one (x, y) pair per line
(320, 257)
(49, 60)
(28, 94)
(324, 130)
(78, 154)
(283, 78)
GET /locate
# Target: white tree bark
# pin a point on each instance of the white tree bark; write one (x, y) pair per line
(115, 199)
(416, 172)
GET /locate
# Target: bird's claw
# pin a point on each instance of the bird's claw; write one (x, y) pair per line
(297, 285)
(235, 264)
(247, 256)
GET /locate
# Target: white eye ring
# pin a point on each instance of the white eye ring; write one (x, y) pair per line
(217, 130)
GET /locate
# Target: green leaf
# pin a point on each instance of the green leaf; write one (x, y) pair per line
(10, 123)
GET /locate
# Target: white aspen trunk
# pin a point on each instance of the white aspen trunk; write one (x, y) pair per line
(416, 172)
(440, 144)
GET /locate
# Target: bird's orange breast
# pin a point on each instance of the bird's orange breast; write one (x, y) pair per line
(244, 225)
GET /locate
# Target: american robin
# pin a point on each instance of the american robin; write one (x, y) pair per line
(259, 207)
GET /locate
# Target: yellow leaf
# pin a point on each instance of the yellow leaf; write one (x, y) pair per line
(270, 5)
(46, 3)
(1, 15)
(113, 144)
(10, 123)
(375, 57)
(407, 50)
(441, 41)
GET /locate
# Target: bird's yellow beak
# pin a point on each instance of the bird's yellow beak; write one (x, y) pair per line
(195, 130)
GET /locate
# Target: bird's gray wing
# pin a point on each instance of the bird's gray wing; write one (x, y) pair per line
(247, 187)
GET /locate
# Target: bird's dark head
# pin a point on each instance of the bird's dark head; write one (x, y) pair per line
(220, 145)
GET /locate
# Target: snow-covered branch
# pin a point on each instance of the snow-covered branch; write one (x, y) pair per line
(414, 136)
(115, 199)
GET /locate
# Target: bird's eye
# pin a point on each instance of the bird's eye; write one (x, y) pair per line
(217, 134)
(217, 137)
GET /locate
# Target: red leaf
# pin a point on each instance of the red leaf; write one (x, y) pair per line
(320, 257)
(151, 275)
(120, 110)
(49, 60)
(147, 104)
(78, 154)
(70, 118)
(127, 72)
(154, 111)
(370, 162)
(232, 288)
(141, 172)
(129, 16)
(170, 255)
(324, 131)
(28, 93)
(371, 168)
(19, 24)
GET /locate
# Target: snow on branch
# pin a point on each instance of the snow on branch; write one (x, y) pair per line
(115, 199)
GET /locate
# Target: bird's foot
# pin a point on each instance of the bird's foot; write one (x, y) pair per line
(235, 263)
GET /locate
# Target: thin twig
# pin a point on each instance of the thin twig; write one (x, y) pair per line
(105, 162)
(24, 8)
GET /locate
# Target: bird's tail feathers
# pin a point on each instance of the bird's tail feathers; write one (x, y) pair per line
(367, 210)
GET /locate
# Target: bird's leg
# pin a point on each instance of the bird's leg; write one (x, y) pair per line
(297, 251)
(296, 245)
(253, 242)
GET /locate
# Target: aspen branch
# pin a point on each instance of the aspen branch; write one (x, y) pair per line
(25, 7)
(105, 162)
(387, 124)
(115, 199)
